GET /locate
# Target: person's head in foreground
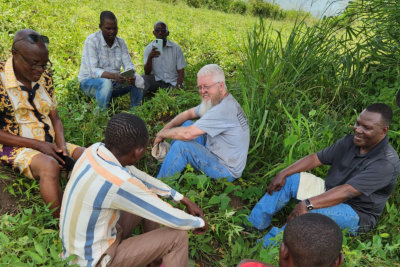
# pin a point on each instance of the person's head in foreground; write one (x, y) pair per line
(211, 85)
(311, 240)
(126, 136)
(30, 55)
(372, 126)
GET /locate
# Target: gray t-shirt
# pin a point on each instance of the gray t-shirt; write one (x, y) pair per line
(228, 134)
(165, 67)
(374, 174)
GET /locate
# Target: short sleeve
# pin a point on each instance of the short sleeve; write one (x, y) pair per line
(180, 59)
(327, 155)
(376, 175)
(217, 120)
(197, 111)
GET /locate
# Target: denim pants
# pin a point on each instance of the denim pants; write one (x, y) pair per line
(196, 154)
(104, 89)
(262, 213)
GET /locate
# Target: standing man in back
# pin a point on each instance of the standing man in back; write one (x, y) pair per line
(163, 69)
(103, 55)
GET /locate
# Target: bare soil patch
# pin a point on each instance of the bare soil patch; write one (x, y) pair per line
(8, 202)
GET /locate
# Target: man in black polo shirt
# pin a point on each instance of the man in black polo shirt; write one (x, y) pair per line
(364, 170)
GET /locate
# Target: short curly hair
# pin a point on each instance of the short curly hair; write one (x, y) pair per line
(313, 240)
(125, 132)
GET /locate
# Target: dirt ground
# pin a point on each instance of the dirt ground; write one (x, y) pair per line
(8, 203)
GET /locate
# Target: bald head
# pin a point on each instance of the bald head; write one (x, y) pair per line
(30, 55)
(26, 38)
(160, 22)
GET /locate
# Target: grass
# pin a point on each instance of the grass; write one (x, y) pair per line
(301, 86)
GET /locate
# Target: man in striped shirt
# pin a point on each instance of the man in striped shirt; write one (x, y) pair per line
(105, 200)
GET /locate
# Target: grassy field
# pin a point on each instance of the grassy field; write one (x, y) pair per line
(300, 85)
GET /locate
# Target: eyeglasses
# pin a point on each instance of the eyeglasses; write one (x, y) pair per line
(46, 66)
(206, 87)
(160, 30)
(34, 38)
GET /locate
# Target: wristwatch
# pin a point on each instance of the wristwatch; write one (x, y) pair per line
(309, 206)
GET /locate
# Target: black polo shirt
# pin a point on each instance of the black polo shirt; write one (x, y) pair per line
(374, 174)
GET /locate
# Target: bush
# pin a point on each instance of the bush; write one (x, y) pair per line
(238, 6)
(194, 3)
(222, 5)
(266, 10)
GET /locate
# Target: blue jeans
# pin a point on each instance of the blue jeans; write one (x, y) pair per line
(104, 89)
(262, 213)
(196, 154)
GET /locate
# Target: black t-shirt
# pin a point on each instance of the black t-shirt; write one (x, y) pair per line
(374, 174)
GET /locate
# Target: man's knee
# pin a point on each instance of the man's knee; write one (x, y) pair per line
(105, 86)
(180, 236)
(91, 86)
(179, 145)
(45, 167)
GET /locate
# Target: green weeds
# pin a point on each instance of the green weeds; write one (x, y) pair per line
(301, 90)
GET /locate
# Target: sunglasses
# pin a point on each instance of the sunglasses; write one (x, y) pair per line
(34, 38)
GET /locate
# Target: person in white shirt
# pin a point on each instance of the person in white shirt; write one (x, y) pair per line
(163, 69)
(103, 55)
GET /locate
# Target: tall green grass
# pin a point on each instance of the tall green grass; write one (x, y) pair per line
(304, 91)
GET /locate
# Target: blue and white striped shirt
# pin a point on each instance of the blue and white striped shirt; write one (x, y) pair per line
(98, 189)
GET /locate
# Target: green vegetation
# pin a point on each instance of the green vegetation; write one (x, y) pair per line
(301, 87)
(258, 8)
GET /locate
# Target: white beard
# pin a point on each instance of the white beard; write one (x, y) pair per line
(204, 107)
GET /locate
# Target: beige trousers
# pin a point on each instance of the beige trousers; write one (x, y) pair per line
(156, 243)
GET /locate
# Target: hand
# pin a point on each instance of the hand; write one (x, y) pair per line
(154, 53)
(119, 78)
(192, 208)
(202, 230)
(298, 210)
(62, 149)
(277, 183)
(158, 139)
(132, 80)
(51, 150)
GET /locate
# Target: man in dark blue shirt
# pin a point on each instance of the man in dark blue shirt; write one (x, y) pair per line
(364, 170)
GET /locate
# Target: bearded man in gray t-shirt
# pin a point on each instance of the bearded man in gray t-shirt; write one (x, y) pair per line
(218, 142)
